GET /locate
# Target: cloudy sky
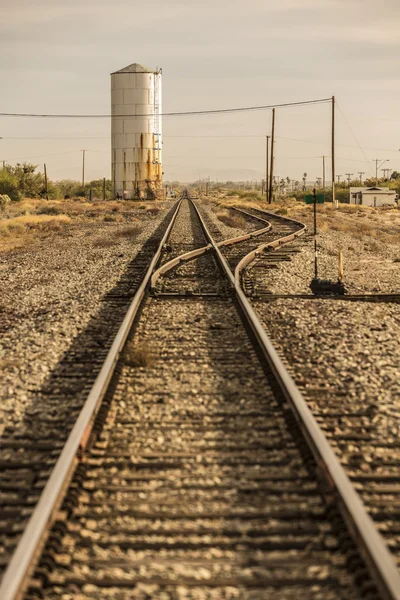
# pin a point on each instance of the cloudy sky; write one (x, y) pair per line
(56, 57)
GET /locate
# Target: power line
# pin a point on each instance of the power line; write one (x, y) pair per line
(169, 114)
(354, 136)
(42, 155)
(54, 154)
(56, 138)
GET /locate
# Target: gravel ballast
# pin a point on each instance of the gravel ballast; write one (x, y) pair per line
(50, 291)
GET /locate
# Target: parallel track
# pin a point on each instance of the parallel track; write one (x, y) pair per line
(204, 476)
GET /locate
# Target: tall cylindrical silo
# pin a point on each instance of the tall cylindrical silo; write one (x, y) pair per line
(136, 132)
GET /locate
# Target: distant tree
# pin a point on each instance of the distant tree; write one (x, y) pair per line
(97, 189)
(304, 178)
(395, 175)
(30, 184)
(69, 188)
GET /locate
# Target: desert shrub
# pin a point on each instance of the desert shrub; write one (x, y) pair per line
(49, 210)
(153, 210)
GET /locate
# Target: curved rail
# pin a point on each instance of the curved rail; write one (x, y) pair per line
(23, 560)
(246, 260)
(199, 251)
(360, 524)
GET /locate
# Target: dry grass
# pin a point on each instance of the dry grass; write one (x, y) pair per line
(139, 355)
(234, 221)
(26, 222)
(18, 231)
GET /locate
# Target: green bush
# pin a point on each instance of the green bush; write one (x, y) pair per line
(9, 185)
(30, 184)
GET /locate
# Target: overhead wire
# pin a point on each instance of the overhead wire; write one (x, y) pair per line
(168, 114)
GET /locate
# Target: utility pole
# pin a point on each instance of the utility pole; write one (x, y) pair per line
(323, 171)
(271, 173)
(349, 176)
(83, 168)
(266, 170)
(338, 178)
(361, 173)
(376, 160)
(45, 182)
(315, 236)
(104, 189)
(334, 201)
(278, 184)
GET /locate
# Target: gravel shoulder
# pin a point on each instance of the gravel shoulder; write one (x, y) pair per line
(345, 358)
(370, 243)
(50, 290)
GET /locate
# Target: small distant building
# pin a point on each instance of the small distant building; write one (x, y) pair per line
(372, 196)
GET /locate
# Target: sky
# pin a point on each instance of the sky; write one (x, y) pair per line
(57, 56)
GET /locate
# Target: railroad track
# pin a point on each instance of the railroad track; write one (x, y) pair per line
(195, 469)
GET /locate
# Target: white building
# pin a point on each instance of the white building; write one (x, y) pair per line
(136, 132)
(372, 196)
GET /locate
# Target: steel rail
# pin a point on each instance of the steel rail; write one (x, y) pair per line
(199, 251)
(27, 552)
(174, 262)
(369, 297)
(246, 260)
(269, 214)
(369, 541)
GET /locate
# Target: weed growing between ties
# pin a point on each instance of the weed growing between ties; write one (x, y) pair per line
(139, 355)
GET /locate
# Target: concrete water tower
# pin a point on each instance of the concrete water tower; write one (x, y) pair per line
(136, 132)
